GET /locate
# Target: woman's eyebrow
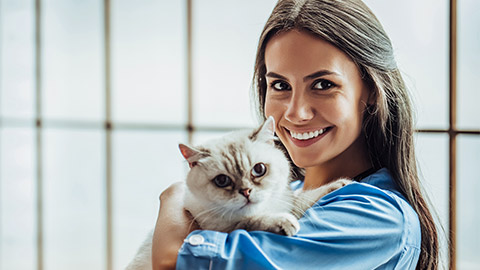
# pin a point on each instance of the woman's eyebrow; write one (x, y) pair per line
(275, 75)
(320, 73)
(312, 76)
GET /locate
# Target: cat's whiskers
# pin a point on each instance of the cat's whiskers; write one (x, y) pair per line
(295, 209)
(287, 202)
(192, 224)
(210, 211)
(218, 212)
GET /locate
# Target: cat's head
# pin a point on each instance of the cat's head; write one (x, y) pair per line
(242, 172)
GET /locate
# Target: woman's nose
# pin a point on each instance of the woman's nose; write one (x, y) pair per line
(299, 109)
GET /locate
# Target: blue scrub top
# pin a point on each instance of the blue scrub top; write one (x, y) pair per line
(364, 225)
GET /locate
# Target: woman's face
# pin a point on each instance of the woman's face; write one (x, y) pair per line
(317, 97)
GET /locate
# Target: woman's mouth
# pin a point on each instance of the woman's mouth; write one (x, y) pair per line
(303, 139)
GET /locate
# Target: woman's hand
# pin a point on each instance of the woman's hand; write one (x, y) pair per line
(174, 224)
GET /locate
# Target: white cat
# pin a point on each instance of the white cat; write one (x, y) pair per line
(241, 181)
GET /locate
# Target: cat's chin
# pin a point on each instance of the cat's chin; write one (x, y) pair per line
(248, 209)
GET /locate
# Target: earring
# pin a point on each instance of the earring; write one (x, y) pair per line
(371, 109)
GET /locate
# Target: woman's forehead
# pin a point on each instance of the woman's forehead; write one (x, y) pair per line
(300, 53)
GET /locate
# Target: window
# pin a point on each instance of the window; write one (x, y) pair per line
(96, 95)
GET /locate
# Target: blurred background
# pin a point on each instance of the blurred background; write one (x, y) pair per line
(96, 95)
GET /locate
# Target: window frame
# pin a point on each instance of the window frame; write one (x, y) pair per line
(190, 128)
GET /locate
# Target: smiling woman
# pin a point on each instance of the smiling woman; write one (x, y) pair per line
(53, 109)
(378, 108)
(317, 96)
(326, 73)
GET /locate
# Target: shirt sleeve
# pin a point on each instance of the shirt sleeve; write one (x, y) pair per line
(356, 227)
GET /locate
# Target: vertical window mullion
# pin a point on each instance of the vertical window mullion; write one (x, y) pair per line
(452, 133)
(189, 71)
(38, 131)
(108, 138)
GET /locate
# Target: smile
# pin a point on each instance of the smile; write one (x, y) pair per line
(308, 135)
(304, 139)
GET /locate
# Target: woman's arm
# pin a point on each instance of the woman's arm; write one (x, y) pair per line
(356, 227)
(174, 223)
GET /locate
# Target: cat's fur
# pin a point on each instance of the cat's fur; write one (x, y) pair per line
(257, 197)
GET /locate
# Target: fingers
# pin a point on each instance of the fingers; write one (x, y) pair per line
(174, 190)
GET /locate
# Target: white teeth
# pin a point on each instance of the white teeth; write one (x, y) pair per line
(307, 135)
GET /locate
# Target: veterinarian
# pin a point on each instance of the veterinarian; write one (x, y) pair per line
(325, 70)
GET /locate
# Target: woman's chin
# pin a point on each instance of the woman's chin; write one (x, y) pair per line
(304, 162)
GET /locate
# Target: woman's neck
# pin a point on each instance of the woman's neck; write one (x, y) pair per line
(352, 162)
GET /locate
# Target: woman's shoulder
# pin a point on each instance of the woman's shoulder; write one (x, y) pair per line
(372, 204)
(379, 185)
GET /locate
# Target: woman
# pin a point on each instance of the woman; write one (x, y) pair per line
(325, 71)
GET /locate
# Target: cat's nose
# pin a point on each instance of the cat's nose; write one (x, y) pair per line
(245, 192)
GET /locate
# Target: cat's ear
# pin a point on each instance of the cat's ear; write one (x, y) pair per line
(190, 154)
(266, 132)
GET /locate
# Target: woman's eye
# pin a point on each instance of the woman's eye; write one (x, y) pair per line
(259, 170)
(323, 85)
(280, 86)
(222, 181)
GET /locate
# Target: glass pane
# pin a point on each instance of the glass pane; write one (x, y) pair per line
(468, 213)
(432, 156)
(74, 192)
(17, 199)
(73, 64)
(223, 59)
(202, 136)
(148, 61)
(17, 60)
(144, 164)
(468, 63)
(419, 33)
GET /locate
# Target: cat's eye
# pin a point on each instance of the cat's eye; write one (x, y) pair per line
(222, 181)
(259, 170)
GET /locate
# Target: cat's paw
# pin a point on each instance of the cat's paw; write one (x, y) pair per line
(337, 184)
(284, 224)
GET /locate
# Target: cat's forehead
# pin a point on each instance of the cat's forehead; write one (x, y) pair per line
(231, 148)
(227, 143)
(230, 154)
(236, 149)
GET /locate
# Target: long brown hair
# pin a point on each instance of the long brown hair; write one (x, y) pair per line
(388, 123)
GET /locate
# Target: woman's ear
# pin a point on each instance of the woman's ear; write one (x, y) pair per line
(372, 97)
(369, 87)
(370, 102)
